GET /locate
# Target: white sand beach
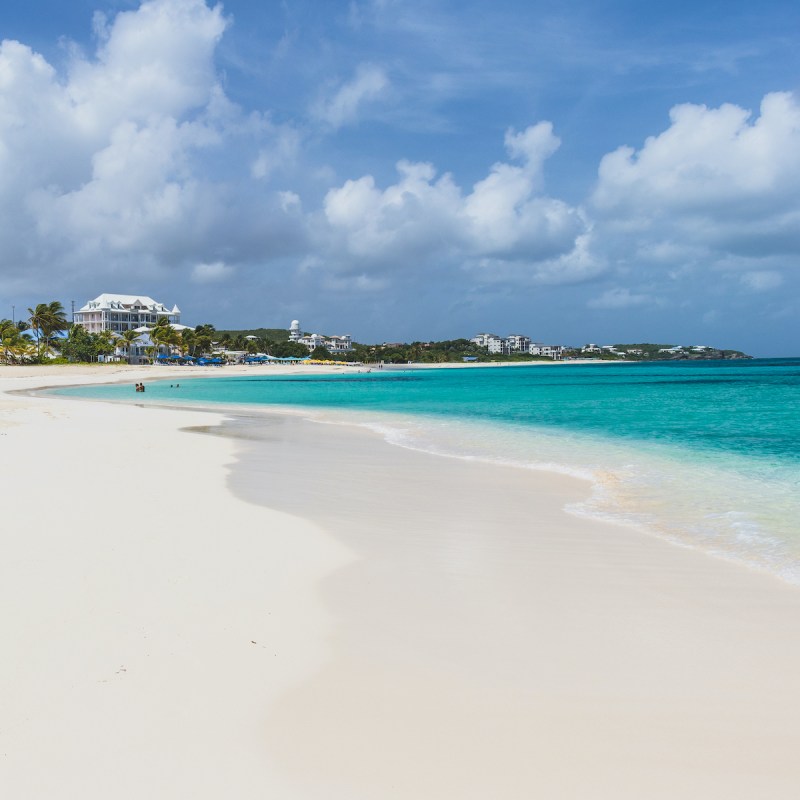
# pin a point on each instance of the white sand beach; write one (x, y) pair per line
(304, 611)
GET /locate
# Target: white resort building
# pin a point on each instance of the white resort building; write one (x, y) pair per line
(482, 339)
(554, 351)
(333, 344)
(123, 312)
(517, 343)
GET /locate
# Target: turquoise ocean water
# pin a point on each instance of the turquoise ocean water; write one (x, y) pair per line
(706, 454)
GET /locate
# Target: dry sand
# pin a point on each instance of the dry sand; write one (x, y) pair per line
(303, 611)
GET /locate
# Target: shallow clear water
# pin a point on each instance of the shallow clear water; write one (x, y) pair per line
(704, 453)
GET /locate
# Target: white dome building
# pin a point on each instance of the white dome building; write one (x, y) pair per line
(294, 331)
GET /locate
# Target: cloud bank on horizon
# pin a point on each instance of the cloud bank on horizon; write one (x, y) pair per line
(160, 156)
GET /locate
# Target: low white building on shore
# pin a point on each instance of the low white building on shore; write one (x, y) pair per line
(483, 339)
(339, 344)
(495, 345)
(554, 351)
(516, 343)
(333, 344)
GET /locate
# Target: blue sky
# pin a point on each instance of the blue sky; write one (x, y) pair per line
(577, 171)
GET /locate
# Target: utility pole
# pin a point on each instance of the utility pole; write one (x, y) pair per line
(14, 314)
(73, 311)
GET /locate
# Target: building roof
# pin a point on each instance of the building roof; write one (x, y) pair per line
(126, 301)
(176, 326)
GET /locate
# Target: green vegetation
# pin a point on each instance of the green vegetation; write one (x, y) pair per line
(272, 341)
(46, 320)
(423, 352)
(277, 335)
(285, 349)
(16, 347)
(451, 350)
(81, 346)
(32, 340)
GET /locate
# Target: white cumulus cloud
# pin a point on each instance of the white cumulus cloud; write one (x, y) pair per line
(709, 160)
(156, 60)
(116, 160)
(717, 177)
(368, 84)
(714, 194)
(504, 224)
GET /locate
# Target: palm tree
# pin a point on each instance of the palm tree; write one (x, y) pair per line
(127, 338)
(203, 336)
(47, 319)
(105, 343)
(14, 347)
(37, 320)
(159, 334)
(173, 338)
(80, 345)
(56, 321)
(188, 341)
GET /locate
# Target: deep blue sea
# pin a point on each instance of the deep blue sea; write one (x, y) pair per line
(706, 454)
